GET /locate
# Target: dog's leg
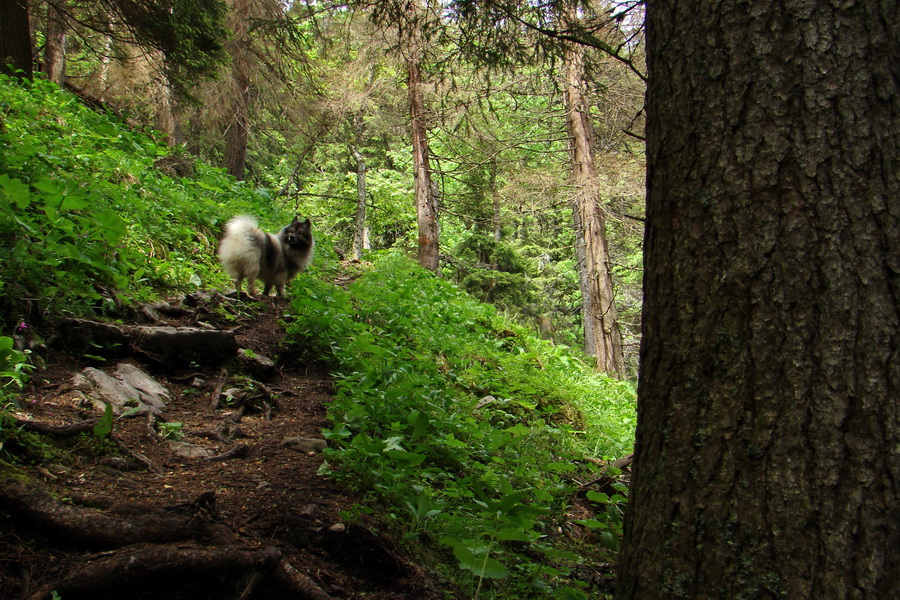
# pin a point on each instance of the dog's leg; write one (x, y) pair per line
(251, 287)
(267, 289)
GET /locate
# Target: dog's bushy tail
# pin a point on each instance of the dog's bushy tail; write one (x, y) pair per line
(240, 250)
(241, 226)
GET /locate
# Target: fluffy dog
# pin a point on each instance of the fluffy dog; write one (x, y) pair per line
(247, 252)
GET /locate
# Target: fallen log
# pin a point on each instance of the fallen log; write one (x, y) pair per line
(131, 567)
(163, 343)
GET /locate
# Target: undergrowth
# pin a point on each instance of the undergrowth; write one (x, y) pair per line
(463, 429)
(466, 429)
(91, 216)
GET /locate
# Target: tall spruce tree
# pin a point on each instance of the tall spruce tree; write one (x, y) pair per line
(768, 439)
(602, 336)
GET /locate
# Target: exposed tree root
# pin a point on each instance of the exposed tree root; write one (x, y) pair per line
(67, 430)
(124, 569)
(144, 545)
(96, 529)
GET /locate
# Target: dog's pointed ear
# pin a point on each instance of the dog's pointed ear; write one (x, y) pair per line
(296, 218)
(307, 223)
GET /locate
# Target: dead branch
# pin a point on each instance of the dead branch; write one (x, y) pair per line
(238, 451)
(606, 478)
(299, 583)
(148, 464)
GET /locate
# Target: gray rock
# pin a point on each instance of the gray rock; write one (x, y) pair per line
(303, 444)
(121, 396)
(152, 392)
(131, 391)
(188, 450)
(257, 363)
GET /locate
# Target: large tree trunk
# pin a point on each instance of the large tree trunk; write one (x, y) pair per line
(426, 200)
(15, 38)
(602, 336)
(55, 46)
(235, 159)
(768, 443)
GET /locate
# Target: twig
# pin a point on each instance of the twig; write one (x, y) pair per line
(238, 451)
(298, 582)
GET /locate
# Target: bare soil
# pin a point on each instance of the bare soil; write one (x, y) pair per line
(271, 496)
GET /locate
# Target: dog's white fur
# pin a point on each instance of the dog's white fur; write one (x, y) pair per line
(247, 252)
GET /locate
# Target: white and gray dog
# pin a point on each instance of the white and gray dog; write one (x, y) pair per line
(247, 252)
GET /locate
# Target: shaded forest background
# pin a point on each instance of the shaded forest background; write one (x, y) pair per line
(311, 102)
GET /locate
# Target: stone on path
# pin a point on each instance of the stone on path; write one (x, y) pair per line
(130, 391)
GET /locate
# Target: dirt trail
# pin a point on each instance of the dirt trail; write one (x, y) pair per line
(271, 496)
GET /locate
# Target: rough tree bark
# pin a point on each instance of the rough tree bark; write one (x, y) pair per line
(235, 159)
(426, 201)
(768, 444)
(602, 336)
(55, 46)
(15, 38)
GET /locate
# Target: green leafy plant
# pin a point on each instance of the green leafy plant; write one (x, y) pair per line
(104, 425)
(90, 223)
(14, 365)
(171, 431)
(461, 423)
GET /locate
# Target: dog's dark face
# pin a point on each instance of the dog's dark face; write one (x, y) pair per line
(298, 234)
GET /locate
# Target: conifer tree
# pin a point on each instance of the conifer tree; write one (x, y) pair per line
(767, 462)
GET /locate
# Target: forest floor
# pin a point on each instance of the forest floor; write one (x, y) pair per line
(267, 497)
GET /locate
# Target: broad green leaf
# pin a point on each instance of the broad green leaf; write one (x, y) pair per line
(480, 563)
(411, 459)
(515, 535)
(15, 190)
(104, 425)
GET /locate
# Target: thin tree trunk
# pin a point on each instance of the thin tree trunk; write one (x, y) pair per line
(602, 336)
(359, 232)
(15, 38)
(103, 75)
(426, 198)
(55, 46)
(165, 112)
(767, 462)
(495, 201)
